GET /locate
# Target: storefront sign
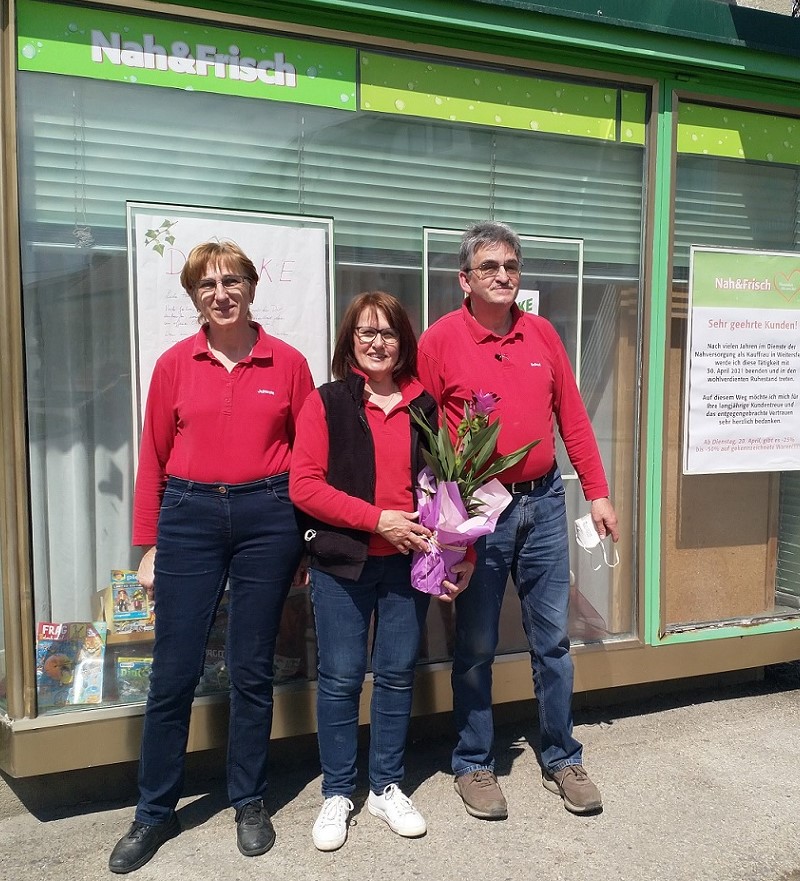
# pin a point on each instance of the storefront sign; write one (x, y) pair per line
(106, 45)
(742, 399)
(705, 130)
(408, 87)
(292, 296)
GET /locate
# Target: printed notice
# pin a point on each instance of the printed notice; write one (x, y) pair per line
(291, 256)
(742, 401)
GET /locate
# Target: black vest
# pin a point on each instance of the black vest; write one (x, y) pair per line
(338, 550)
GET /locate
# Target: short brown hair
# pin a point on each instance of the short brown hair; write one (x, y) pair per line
(344, 357)
(215, 252)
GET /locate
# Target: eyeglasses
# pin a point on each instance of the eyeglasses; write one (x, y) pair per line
(389, 335)
(229, 282)
(490, 268)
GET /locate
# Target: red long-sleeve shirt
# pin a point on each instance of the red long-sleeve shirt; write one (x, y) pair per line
(391, 435)
(205, 424)
(529, 370)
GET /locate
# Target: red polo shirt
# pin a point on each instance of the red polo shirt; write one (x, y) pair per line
(391, 435)
(205, 424)
(529, 369)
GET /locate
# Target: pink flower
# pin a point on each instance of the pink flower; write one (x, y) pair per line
(484, 403)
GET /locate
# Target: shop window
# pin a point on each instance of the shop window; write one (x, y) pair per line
(730, 540)
(87, 147)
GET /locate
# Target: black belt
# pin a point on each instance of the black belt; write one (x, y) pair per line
(526, 486)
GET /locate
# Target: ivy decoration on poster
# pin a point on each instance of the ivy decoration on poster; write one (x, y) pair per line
(158, 239)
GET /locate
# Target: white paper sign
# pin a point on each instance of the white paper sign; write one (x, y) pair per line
(292, 299)
(742, 405)
(528, 301)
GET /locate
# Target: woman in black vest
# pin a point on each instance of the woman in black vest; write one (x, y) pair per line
(354, 467)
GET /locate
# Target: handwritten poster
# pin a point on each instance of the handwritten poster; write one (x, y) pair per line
(742, 394)
(293, 294)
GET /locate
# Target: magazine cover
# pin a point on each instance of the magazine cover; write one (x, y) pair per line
(133, 678)
(69, 663)
(129, 608)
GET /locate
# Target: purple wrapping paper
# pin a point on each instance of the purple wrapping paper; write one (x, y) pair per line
(443, 512)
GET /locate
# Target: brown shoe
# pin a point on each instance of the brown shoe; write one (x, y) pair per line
(482, 795)
(572, 783)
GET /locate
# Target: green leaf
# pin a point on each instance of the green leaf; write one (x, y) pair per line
(422, 423)
(505, 462)
(441, 458)
(433, 464)
(463, 461)
(159, 248)
(170, 239)
(466, 422)
(165, 225)
(446, 452)
(483, 445)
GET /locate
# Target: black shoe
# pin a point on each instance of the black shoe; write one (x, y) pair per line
(254, 832)
(140, 843)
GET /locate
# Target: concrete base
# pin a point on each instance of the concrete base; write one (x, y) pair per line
(46, 795)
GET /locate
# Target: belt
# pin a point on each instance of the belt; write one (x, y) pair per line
(526, 486)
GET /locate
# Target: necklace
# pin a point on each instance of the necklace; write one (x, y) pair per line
(385, 402)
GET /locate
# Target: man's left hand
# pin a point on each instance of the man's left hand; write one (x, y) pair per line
(301, 577)
(462, 572)
(605, 518)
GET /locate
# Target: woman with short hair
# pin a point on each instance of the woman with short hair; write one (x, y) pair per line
(212, 507)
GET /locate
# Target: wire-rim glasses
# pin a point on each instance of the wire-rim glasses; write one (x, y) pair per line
(228, 281)
(491, 268)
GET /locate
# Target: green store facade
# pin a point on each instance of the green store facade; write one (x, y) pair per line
(616, 141)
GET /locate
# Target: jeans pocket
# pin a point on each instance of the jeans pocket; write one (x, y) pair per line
(281, 493)
(556, 487)
(172, 498)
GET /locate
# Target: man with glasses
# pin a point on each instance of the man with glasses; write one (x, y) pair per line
(490, 345)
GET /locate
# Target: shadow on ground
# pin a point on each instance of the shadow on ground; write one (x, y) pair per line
(53, 797)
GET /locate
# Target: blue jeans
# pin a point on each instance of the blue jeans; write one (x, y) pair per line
(531, 544)
(210, 534)
(343, 610)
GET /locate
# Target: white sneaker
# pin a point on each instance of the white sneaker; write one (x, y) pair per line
(396, 809)
(330, 830)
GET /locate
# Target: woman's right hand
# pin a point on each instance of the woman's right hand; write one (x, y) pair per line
(146, 574)
(400, 528)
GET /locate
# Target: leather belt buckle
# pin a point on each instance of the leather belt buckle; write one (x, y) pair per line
(525, 486)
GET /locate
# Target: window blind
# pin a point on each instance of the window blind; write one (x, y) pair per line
(88, 146)
(787, 580)
(734, 204)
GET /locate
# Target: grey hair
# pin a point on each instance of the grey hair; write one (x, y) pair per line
(487, 232)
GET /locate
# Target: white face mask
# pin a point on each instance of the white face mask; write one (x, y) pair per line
(587, 536)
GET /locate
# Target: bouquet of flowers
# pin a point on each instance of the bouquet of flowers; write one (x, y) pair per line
(458, 496)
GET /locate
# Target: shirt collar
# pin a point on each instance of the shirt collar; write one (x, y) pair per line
(482, 334)
(410, 388)
(262, 350)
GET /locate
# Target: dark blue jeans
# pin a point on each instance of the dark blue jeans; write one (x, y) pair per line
(343, 610)
(531, 544)
(210, 534)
